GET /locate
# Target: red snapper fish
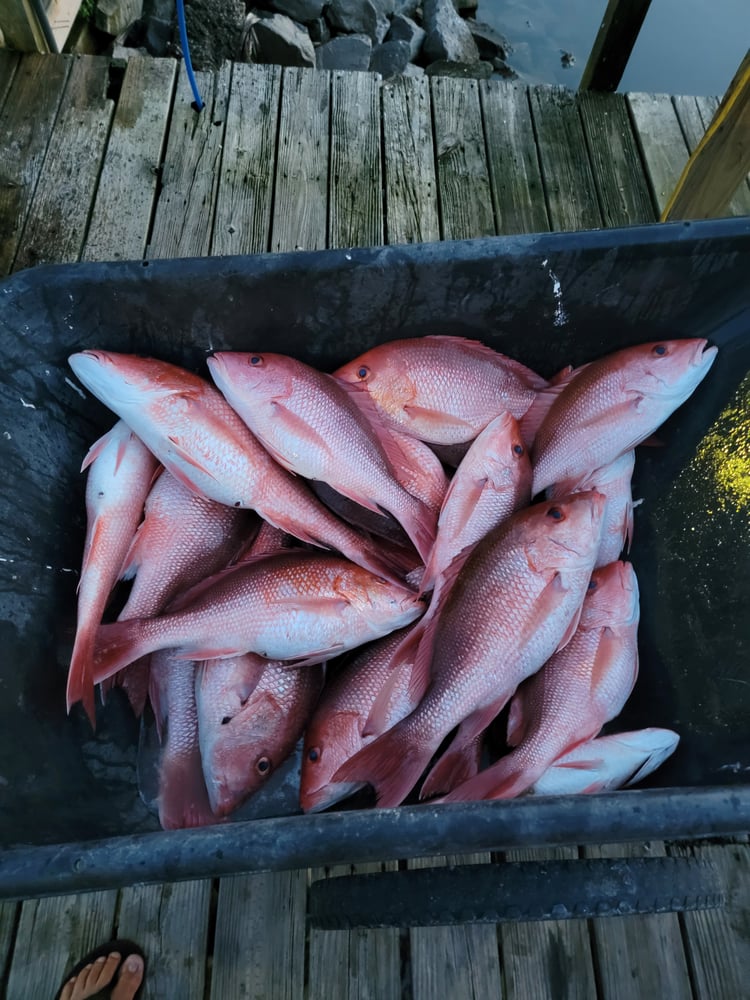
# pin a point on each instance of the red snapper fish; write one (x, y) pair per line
(251, 713)
(196, 434)
(442, 390)
(337, 729)
(606, 763)
(613, 404)
(294, 605)
(309, 423)
(121, 469)
(516, 600)
(580, 688)
(614, 482)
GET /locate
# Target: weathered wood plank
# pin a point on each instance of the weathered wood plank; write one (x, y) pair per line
(721, 161)
(259, 946)
(717, 942)
(661, 143)
(38, 83)
(550, 958)
(8, 916)
(356, 189)
(707, 107)
(127, 186)
(243, 207)
(8, 64)
(515, 175)
(362, 964)
(411, 203)
(613, 44)
(57, 221)
(301, 201)
(462, 172)
(190, 178)
(460, 961)
(170, 923)
(639, 956)
(53, 934)
(568, 179)
(694, 115)
(618, 172)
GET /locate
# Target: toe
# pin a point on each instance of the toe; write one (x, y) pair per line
(103, 972)
(130, 978)
(66, 993)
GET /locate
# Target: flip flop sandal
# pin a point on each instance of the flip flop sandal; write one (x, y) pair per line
(121, 945)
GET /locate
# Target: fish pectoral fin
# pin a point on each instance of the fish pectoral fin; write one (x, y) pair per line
(206, 653)
(434, 418)
(593, 764)
(299, 429)
(185, 456)
(570, 630)
(517, 720)
(316, 657)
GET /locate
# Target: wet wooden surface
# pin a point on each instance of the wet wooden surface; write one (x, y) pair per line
(298, 158)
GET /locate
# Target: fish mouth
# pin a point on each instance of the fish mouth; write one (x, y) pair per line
(704, 355)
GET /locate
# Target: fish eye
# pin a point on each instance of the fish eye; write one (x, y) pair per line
(659, 349)
(555, 513)
(263, 765)
(593, 584)
(313, 754)
(518, 449)
(256, 359)
(226, 720)
(362, 372)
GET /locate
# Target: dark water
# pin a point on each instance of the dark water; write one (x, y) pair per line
(685, 46)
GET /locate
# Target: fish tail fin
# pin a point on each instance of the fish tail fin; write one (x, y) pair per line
(134, 681)
(117, 645)
(420, 524)
(80, 685)
(456, 766)
(504, 780)
(183, 798)
(392, 764)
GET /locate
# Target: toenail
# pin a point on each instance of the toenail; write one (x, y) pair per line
(133, 964)
(98, 961)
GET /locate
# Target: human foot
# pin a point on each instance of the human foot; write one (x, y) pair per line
(103, 968)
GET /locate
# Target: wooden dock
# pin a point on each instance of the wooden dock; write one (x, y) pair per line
(97, 163)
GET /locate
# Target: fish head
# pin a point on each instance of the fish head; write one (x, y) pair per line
(126, 380)
(383, 605)
(388, 383)
(611, 598)
(256, 375)
(331, 739)
(563, 534)
(667, 368)
(505, 458)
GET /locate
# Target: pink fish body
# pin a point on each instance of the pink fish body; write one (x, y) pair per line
(251, 713)
(516, 600)
(196, 434)
(120, 472)
(336, 730)
(491, 483)
(312, 427)
(614, 481)
(568, 701)
(607, 763)
(613, 404)
(294, 605)
(442, 390)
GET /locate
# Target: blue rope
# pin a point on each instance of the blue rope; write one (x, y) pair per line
(198, 103)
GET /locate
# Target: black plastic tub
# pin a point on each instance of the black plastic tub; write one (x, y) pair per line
(70, 812)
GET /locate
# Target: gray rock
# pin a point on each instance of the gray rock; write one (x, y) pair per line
(448, 35)
(299, 10)
(345, 52)
(319, 31)
(215, 31)
(403, 29)
(165, 9)
(466, 71)
(278, 39)
(158, 36)
(390, 58)
(406, 7)
(491, 43)
(358, 17)
(412, 70)
(114, 16)
(466, 7)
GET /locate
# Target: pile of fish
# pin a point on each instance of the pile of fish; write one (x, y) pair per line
(282, 516)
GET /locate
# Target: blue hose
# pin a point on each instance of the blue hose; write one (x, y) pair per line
(198, 103)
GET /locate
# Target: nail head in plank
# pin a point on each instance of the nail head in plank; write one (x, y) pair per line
(661, 143)
(516, 180)
(301, 199)
(127, 186)
(363, 964)
(25, 127)
(53, 934)
(618, 172)
(243, 206)
(460, 961)
(462, 171)
(639, 956)
(547, 959)
(717, 942)
(409, 162)
(259, 943)
(170, 923)
(568, 179)
(190, 176)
